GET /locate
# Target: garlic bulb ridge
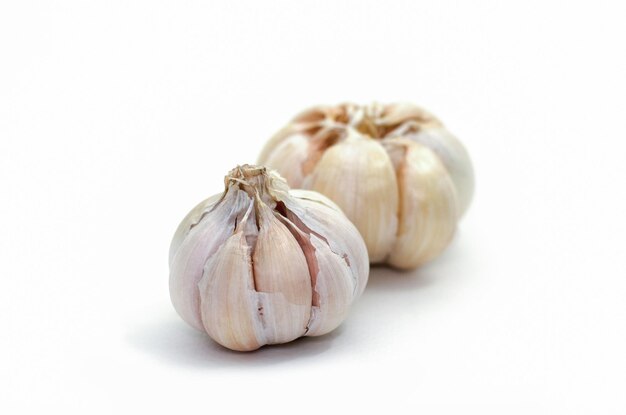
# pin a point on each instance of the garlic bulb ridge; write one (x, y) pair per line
(263, 264)
(394, 170)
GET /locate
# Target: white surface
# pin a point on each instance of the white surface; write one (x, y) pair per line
(116, 118)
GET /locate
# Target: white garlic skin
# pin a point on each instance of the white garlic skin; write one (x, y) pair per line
(394, 170)
(262, 264)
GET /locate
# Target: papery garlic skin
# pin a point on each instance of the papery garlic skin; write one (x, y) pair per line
(428, 204)
(262, 264)
(394, 170)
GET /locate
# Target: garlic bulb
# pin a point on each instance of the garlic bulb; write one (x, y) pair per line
(262, 264)
(394, 170)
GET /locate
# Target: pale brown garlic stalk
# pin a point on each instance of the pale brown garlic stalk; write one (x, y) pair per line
(394, 170)
(262, 264)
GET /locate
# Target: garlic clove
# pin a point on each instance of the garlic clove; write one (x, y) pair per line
(334, 288)
(190, 221)
(230, 305)
(358, 176)
(281, 277)
(428, 204)
(454, 156)
(315, 214)
(289, 156)
(201, 242)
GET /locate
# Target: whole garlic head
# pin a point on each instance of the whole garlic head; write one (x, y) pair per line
(262, 264)
(394, 170)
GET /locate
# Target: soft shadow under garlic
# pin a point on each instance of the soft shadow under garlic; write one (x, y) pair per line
(171, 341)
(389, 293)
(386, 279)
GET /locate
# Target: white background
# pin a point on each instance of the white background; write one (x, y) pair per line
(117, 117)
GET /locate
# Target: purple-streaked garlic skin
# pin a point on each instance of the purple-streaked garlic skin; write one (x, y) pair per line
(262, 264)
(394, 170)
